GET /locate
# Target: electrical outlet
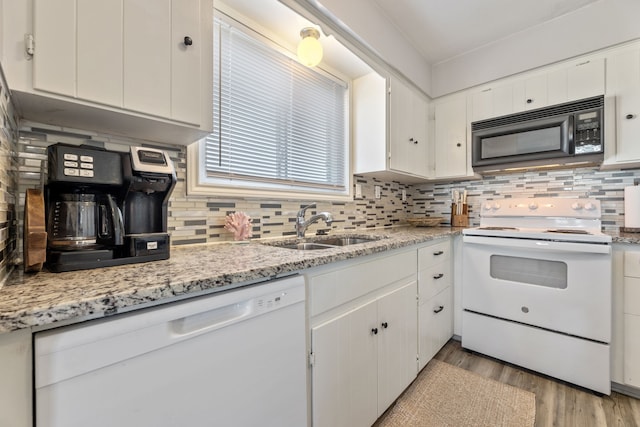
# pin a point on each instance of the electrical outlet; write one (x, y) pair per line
(404, 195)
(378, 191)
(358, 191)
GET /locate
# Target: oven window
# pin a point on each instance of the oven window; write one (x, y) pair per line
(541, 272)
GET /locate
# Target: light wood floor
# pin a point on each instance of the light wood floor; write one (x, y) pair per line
(557, 403)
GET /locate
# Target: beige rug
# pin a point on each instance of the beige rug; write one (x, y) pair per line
(445, 395)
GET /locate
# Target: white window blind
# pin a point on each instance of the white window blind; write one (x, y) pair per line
(275, 121)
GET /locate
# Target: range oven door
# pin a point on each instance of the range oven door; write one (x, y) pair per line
(559, 286)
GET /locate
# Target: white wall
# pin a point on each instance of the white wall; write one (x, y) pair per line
(599, 25)
(366, 20)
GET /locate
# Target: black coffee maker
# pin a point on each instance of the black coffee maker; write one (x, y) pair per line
(106, 208)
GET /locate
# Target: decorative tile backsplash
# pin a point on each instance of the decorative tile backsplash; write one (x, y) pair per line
(607, 186)
(197, 219)
(8, 179)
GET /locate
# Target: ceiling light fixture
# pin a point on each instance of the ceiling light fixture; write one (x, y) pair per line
(309, 48)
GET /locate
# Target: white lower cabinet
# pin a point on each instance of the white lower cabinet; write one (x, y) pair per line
(435, 317)
(16, 371)
(435, 299)
(364, 359)
(626, 317)
(363, 338)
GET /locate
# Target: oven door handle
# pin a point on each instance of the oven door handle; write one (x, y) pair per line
(543, 245)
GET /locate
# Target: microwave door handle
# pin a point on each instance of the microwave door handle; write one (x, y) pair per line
(568, 146)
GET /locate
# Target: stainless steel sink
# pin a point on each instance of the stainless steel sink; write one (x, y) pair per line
(305, 246)
(323, 243)
(345, 241)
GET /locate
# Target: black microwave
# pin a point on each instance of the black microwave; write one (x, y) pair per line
(570, 133)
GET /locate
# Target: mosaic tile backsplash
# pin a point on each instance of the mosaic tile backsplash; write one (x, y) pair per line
(606, 186)
(8, 179)
(197, 220)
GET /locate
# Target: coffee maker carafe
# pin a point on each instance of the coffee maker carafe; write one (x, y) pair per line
(80, 221)
(106, 208)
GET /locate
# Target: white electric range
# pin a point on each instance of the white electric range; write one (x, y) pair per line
(537, 288)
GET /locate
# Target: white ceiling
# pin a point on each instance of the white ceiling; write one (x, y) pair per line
(447, 45)
(443, 29)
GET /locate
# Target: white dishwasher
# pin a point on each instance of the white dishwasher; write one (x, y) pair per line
(236, 358)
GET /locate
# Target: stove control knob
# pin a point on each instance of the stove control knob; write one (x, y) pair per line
(487, 206)
(533, 206)
(589, 206)
(496, 206)
(576, 206)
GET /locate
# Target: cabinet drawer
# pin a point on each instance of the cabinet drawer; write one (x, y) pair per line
(432, 281)
(435, 320)
(632, 295)
(632, 350)
(342, 285)
(632, 264)
(434, 254)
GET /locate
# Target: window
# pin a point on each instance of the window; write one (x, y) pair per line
(279, 127)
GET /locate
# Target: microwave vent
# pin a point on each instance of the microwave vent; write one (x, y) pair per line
(545, 112)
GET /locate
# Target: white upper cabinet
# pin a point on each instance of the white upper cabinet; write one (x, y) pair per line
(450, 137)
(407, 130)
(530, 93)
(99, 51)
(55, 31)
(140, 68)
(623, 109)
(492, 101)
(147, 56)
(390, 129)
(576, 80)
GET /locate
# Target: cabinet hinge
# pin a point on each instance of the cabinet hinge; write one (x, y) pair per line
(312, 359)
(29, 44)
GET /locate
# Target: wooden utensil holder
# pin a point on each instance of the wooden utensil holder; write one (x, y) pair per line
(459, 220)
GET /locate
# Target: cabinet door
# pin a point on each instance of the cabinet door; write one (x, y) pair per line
(54, 62)
(344, 373)
(185, 61)
(99, 51)
(451, 137)
(578, 80)
(147, 56)
(435, 325)
(623, 82)
(419, 123)
(407, 130)
(397, 343)
(586, 79)
(492, 102)
(535, 93)
(632, 350)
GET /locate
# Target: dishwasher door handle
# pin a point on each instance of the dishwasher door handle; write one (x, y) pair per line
(208, 321)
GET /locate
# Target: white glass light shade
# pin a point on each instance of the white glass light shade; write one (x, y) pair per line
(309, 48)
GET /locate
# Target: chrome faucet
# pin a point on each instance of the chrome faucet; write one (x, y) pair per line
(301, 224)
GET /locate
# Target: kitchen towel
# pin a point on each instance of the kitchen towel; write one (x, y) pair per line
(632, 207)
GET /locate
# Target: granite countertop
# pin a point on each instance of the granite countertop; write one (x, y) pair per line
(621, 237)
(29, 300)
